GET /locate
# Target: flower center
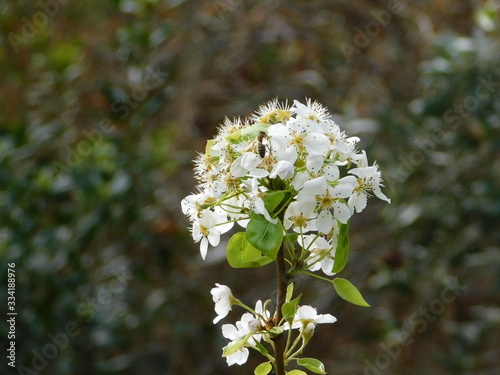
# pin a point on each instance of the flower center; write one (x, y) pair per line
(299, 221)
(204, 231)
(298, 139)
(325, 201)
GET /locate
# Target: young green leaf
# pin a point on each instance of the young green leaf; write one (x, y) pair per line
(247, 133)
(342, 251)
(289, 292)
(296, 372)
(265, 236)
(292, 237)
(312, 364)
(277, 330)
(349, 292)
(261, 348)
(290, 308)
(263, 369)
(235, 345)
(241, 254)
(272, 199)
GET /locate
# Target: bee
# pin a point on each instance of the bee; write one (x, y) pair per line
(261, 147)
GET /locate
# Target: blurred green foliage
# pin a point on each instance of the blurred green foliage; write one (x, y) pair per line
(103, 105)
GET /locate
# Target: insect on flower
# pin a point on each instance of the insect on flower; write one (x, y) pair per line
(261, 147)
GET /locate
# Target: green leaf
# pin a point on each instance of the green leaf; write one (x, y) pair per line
(289, 292)
(312, 364)
(265, 236)
(349, 292)
(297, 372)
(290, 308)
(272, 199)
(235, 346)
(247, 133)
(261, 348)
(292, 237)
(342, 251)
(263, 369)
(208, 147)
(277, 330)
(241, 254)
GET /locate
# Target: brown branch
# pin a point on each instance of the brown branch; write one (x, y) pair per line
(280, 300)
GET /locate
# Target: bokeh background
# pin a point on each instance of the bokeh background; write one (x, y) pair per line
(103, 106)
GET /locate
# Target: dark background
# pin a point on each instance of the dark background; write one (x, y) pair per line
(103, 105)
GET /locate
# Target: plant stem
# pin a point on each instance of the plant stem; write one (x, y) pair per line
(279, 351)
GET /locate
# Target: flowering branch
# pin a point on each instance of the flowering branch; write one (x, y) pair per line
(291, 179)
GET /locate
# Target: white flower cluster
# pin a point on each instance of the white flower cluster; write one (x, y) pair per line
(297, 149)
(254, 327)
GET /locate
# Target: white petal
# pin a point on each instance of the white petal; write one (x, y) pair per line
(196, 232)
(223, 228)
(359, 201)
(305, 205)
(341, 191)
(342, 212)
(321, 243)
(258, 173)
(278, 131)
(306, 312)
(316, 266)
(331, 172)
(380, 195)
(236, 168)
(315, 186)
(203, 248)
(327, 266)
(283, 169)
(239, 357)
(214, 237)
(314, 163)
(349, 180)
(325, 222)
(318, 144)
(325, 318)
(299, 180)
(250, 161)
(290, 154)
(261, 209)
(229, 331)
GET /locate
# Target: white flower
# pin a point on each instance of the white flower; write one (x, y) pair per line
(326, 199)
(306, 318)
(369, 179)
(248, 164)
(191, 205)
(283, 169)
(322, 253)
(245, 330)
(306, 315)
(208, 228)
(301, 216)
(232, 333)
(272, 112)
(308, 136)
(312, 111)
(306, 155)
(237, 209)
(259, 204)
(224, 299)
